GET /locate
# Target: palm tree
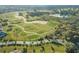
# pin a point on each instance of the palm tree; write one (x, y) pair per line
(34, 50)
(24, 42)
(24, 50)
(4, 51)
(42, 49)
(15, 48)
(53, 49)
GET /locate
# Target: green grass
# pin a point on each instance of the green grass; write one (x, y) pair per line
(29, 33)
(58, 49)
(18, 34)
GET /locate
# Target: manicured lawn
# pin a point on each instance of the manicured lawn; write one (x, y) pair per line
(24, 31)
(21, 31)
(47, 47)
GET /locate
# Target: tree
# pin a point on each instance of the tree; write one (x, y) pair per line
(15, 48)
(70, 36)
(4, 51)
(24, 50)
(20, 14)
(71, 48)
(42, 49)
(53, 49)
(34, 51)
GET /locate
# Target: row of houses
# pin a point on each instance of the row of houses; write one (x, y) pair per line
(29, 42)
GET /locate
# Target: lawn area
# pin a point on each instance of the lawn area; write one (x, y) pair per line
(18, 30)
(29, 49)
(26, 31)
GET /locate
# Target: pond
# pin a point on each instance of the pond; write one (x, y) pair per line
(2, 34)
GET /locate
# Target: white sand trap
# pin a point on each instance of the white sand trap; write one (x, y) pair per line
(25, 20)
(40, 22)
